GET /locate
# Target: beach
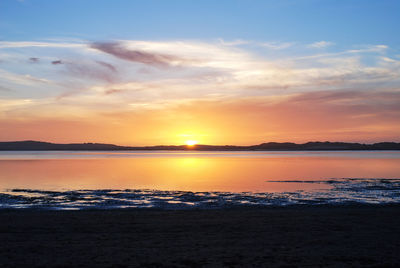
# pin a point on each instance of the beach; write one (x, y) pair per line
(296, 236)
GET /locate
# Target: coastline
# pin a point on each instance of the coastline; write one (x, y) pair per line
(332, 192)
(295, 236)
(30, 145)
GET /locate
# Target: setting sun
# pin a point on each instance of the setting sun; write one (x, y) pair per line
(191, 142)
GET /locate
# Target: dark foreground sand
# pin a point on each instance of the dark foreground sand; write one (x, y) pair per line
(274, 237)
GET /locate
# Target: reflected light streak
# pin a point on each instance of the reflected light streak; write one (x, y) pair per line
(188, 173)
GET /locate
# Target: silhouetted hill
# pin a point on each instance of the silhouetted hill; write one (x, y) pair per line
(270, 146)
(47, 146)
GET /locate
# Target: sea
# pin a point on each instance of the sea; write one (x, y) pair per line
(79, 180)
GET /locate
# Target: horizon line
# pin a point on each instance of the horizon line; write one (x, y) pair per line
(200, 144)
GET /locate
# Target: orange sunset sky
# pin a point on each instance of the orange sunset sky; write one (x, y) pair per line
(133, 82)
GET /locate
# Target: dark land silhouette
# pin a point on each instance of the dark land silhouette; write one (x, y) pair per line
(270, 146)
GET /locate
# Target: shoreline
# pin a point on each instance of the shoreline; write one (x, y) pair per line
(296, 236)
(332, 192)
(316, 145)
(239, 208)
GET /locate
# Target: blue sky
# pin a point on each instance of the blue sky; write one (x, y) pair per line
(202, 70)
(345, 22)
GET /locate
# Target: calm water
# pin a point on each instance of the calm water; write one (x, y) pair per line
(162, 178)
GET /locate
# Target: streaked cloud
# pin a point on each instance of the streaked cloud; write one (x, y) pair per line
(235, 42)
(113, 91)
(277, 45)
(321, 44)
(118, 50)
(22, 44)
(212, 68)
(108, 66)
(236, 85)
(26, 79)
(100, 72)
(33, 60)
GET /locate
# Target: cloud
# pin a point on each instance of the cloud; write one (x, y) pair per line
(22, 79)
(24, 44)
(97, 70)
(219, 87)
(235, 42)
(370, 48)
(380, 101)
(34, 60)
(339, 55)
(113, 91)
(119, 51)
(214, 71)
(321, 44)
(36, 79)
(277, 45)
(108, 66)
(87, 70)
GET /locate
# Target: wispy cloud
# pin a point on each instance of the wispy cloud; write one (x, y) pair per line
(277, 45)
(235, 42)
(321, 44)
(113, 91)
(98, 72)
(118, 50)
(26, 79)
(22, 44)
(107, 65)
(33, 60)
(88, 70)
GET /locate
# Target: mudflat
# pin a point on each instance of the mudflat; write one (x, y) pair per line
(347, 236)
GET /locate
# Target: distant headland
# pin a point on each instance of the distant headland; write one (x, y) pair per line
(270, 146)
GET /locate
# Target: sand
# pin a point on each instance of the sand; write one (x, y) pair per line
(352, 236)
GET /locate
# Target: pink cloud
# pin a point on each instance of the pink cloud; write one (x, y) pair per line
(118, 50)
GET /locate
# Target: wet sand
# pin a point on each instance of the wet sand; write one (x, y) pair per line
(352, 236)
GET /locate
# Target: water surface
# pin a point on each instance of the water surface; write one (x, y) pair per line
(181, 178)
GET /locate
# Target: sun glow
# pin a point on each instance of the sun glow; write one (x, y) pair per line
(191, 142)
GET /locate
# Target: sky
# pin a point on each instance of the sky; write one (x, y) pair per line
(217, 72)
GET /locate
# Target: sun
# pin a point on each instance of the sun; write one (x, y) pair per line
(191, 142)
